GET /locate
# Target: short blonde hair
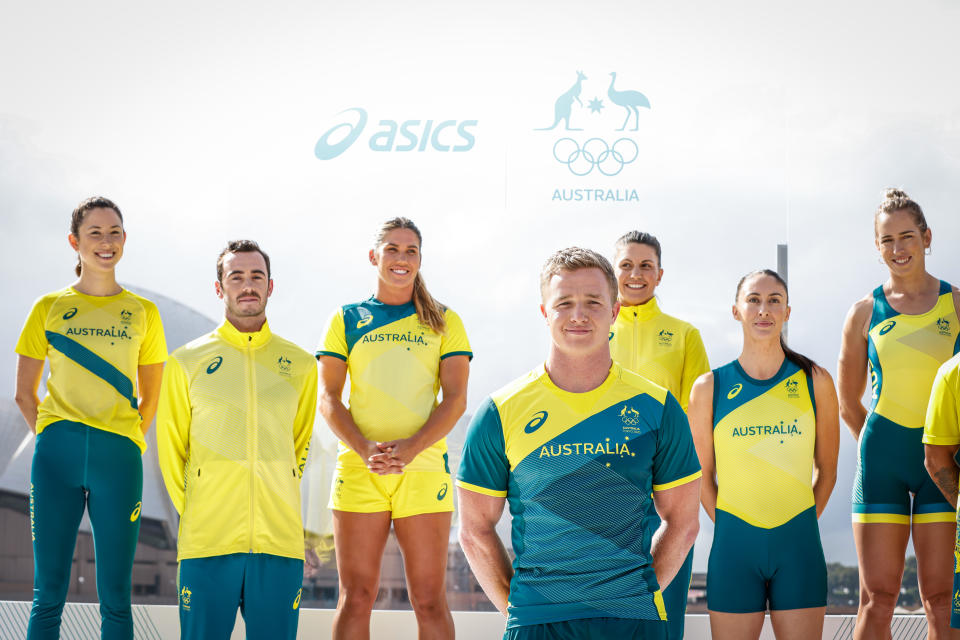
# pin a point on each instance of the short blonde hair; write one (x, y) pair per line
(573, 259)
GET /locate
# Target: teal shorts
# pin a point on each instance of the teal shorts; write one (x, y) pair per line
(582, 629)
(889, 469)
(751, 567)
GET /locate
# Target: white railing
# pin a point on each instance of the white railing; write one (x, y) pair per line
(161, 622)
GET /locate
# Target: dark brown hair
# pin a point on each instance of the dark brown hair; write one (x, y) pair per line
(429, 311)
(240, 246)
(801, 361)
(85, 207)
(640, 237)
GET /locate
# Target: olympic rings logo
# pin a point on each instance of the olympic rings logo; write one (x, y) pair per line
(595, 153)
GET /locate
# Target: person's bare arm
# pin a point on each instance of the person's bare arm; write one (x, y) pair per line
(149, 377)
(454, 372)
(827, 445)
(942, 467)
(700, 414)
(679, 509)
(29, 371)
(482, 546)
(852, 365)
(333, 375)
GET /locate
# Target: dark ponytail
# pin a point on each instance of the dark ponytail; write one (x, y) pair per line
(802, 361)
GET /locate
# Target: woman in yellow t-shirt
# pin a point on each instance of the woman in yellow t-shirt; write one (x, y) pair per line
(106, 350)
(400, 347)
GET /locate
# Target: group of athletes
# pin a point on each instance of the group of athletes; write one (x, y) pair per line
(604, 453)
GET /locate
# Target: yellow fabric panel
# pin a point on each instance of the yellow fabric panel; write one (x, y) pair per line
(765, 476)
(524, 400)
(394, 384)
(233, 425)
(942, 423)
(483, 490)
(677, 483)
(881, 518)
(123, 331)
(659, 347)
(910, 352)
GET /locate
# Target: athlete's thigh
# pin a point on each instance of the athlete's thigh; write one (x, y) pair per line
(885, 465)
(798, 580)
(934, 545)
(736, 582)
(209, 590)
(57, 500)
(115, 481)
(271, 597)
(735, 626)
(424, 541)
(798, 624)
(359, 539)
(881, 548)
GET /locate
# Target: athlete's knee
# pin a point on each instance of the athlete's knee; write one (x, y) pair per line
(357, 599)
(879, 604)
(939, 601)
(429, 602)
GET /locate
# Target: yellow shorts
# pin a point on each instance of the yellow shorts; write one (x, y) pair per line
(411, 493)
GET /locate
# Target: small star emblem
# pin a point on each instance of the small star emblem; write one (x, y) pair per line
(595, 105)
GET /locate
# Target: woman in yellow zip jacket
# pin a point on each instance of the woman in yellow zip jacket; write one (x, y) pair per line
(663, 349)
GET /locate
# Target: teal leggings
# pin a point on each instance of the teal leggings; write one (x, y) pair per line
(76, 466)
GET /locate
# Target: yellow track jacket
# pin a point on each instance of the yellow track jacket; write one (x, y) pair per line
(233, 427)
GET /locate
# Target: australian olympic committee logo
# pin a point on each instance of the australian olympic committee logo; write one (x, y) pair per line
(391, 135)
(597, 155)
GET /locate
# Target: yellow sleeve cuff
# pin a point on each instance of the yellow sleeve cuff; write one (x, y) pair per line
(483, 490)
(678, 482)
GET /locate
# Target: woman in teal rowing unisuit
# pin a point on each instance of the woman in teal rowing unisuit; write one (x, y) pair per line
(106, 350)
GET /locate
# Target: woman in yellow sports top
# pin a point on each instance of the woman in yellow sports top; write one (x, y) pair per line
(901, 333)
(766, 430)
(400, 348)
(106, 350)
(661, 348)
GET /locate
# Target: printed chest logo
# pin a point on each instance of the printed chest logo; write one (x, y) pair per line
(734, 390)
(665, 338)
(214, 364)
(943, 326)
(630, 418)
(284, 366)
(887, 328)
(365, 318)
(538, 419)
(72, 311)
(126, 317)
(793, 388)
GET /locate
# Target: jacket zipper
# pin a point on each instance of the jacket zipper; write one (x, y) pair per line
(251, 432)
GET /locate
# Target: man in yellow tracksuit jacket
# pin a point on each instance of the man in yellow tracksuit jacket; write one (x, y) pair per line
(233, 426)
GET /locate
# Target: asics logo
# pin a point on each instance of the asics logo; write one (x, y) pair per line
(136, 513)
(538, 419)
(296, 601)
(443, 492)
(595, 153)
(70, 313)
(214, 364)
(734, 391)
(364, 321)
(887, 328)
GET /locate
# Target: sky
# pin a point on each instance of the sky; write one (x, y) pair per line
(769, 122)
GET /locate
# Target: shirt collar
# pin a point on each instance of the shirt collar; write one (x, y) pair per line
(642, 312)
(253, 340)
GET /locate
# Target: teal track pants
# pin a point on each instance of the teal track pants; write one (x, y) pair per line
(77, 467)
(265, 587)
(675, 599)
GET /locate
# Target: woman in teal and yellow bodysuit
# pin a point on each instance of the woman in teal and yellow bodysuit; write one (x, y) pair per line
(900, 333)
(766, 430)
